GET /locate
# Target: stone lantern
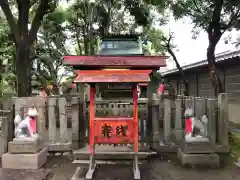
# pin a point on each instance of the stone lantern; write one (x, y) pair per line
(35, 85)
(3, 66)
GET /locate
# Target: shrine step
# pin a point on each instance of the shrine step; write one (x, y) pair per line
(80, 155)
(112, 153)
(107, 162)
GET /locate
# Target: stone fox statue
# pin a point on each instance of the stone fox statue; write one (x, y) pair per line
(195, 129)
(26, 129)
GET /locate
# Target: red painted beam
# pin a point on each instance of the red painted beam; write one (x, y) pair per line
(108, 76)
(116, 61)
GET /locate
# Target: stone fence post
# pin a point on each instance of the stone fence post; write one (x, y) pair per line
(155, 120)
(223, 119)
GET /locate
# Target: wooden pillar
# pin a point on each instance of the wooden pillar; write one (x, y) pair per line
(223, 119)
(135, 117)
(91, 119)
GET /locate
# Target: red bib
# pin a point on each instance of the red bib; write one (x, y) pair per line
(161, 88)
(33, 125)
(188, 125)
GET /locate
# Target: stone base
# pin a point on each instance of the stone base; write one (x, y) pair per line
(211, 160)
(17, 146)
(197, 147)
(24, 161)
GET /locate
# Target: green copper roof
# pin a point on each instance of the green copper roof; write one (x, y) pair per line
(121, 45)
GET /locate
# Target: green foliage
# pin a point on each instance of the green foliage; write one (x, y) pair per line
(74, 25)
(6, 40)
(222, 14)
(153, 41)
(108, 15)
(157, 2)
(234, 141)
(213, 16)
(139, 11)
(50, 49)
(7, 55)
(19, 15)
(225, 15)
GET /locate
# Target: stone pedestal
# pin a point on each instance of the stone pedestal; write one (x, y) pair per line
(197, 147)
(21, 146)
(24, 161)
(209, 159)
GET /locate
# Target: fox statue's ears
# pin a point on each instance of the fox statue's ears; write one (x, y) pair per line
(204, 119)
(17, 120)
(188, 112)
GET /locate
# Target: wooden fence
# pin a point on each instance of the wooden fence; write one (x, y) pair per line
(63, 121)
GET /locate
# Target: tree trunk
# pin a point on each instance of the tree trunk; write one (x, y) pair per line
(85, 42)
(214, 75)
(86, 30)
(90, 29)
(24, 39)
(78, 42)
(23, 69)
(186, 91)
(214, 34)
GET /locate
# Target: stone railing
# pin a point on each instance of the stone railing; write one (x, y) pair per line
(63, 121)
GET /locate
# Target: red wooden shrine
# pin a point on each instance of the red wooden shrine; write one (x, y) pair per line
(127, 69)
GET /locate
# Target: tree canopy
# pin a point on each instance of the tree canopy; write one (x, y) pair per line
(56, 31)
(214, 17)
(34, 35)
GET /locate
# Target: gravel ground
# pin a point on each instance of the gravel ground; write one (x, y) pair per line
(156, 169)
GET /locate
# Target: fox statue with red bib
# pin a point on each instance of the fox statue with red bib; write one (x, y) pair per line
(195, 130)
(26, 129)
